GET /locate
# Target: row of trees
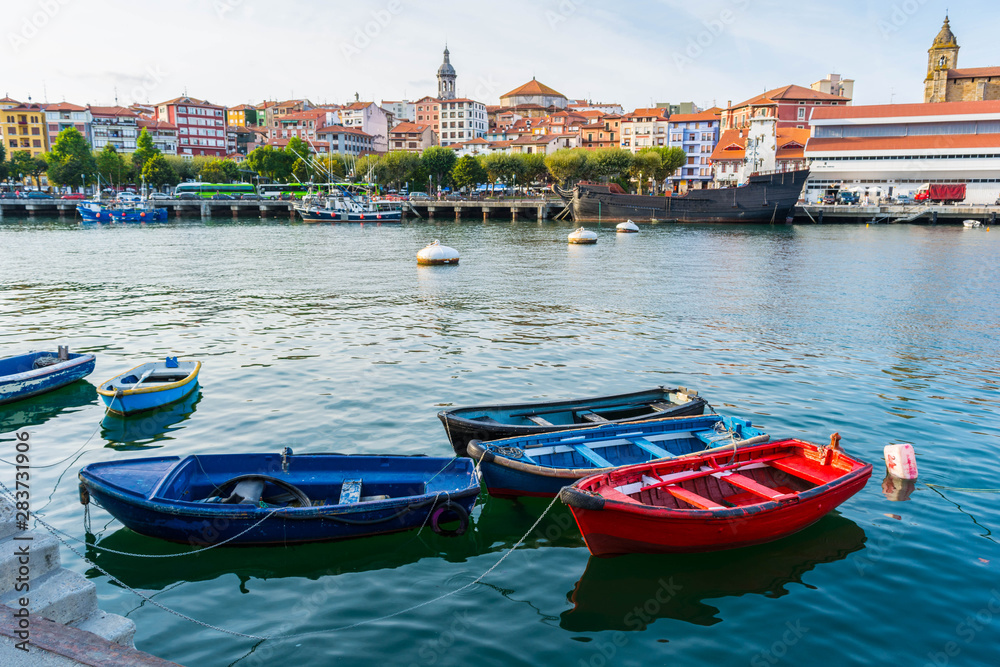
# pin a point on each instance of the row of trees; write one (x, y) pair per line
(71, 162)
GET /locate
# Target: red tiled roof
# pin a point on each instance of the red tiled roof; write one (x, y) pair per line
(791, 142)
(312, 114)
(534, 87)
(112, 111)
(156, 124)
(907, 110)
(243, 107)
(709, 114)
(340, 129)
(918, 142)
(790, 93)
(409, 128)
(191, 100)
(355, 106)
(63, 106)
(9, 100)
(973, 72)
(534, 139)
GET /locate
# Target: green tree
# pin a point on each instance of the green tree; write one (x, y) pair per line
(110, 164)
(4, 167)
(438, 161)
(214, 171)
(468, 173)
(568, 165)
(645, 166)
(610, 162)
(298, 150)
(532, 167)
(144, 149)
(671, 159)
(302, 171)
(71, 161)
(399, 167)
(329, 167)
(20, 164)
(158, 172)
(270, 163)
(368, 169)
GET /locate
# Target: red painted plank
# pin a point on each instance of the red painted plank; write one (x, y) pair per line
(753, 487)
(808, 471)
(693, 498)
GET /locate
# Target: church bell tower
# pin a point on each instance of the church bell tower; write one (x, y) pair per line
(446, 78)
(941, 57)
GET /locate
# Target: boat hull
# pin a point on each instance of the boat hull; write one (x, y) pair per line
(122, 401)
(322, 215)
(507, 477)
(20, 379)
(461, 426)
(134, 492)
(764, 199)
(630, 527)
(122, 215)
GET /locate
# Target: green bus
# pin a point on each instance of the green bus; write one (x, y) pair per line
(207, 190)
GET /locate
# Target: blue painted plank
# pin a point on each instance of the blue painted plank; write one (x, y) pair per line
(593, 457)
(350, 492)
(657, 452)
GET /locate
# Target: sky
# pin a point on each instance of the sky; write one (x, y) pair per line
(633, 53)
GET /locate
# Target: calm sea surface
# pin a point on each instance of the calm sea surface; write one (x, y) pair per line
(329, 338)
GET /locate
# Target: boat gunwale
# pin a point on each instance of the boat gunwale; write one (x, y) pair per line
(453, 413)
(81, 358)
(152, 388)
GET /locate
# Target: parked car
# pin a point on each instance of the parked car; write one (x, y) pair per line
(129, 198)
(159, 196)
(453, 196)
(74, 195)
(250, 196)
(848, 198)
(188, 195)
(419, 196)
(36, 194)
(904, 199)
(10, 195)
(222, 196)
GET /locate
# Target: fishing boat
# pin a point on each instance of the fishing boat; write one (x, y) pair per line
(34, 373)
(95, 211)
(283, 498)
(340, 205)
(764, 198)
(971, 223)
(150, 386)
(540, 465)
(491, 422)
(714, 501)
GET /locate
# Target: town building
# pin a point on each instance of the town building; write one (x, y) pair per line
(118, 126)
(644, 128)
(163, 134)
(346, 140)
(791, 106)
(893, 149)
(246, 138)
(371, 119)
(8, 102)
(412, 137)
(446, 78)
(461, 119)
(401, 110)
(245, 115)
(684, 108)
(304, 124)
(201, 126)
(427, 110)
(63, 115)
(535, 98)
(25, 129)
(945, 82)
(543, 143)
(579, 106)
(773, 148)
(697, 135)
(602, 132)
(836, 85)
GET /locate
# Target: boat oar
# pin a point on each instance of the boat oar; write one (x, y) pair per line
(120, 392)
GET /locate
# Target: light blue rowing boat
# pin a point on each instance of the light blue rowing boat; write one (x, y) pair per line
(150, 385)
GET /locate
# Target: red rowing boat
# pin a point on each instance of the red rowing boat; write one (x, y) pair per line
(709, 502)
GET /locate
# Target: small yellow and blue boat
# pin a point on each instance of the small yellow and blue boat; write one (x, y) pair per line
(150, 386)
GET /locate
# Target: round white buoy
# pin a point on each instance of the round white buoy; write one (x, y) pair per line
(435, 254)
(627, 227)
(901, 461)
(583, 236)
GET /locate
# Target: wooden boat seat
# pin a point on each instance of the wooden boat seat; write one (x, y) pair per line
(611, 493)
(541, 421)
(807, 470)
(747, 484)
(662, 407)
(350, 491)
(657, 452)
(594, 417)
(592, 456)
(692, 498)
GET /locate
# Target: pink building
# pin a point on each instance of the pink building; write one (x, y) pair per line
(201, 126)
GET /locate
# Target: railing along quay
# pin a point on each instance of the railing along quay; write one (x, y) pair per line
(898, 213)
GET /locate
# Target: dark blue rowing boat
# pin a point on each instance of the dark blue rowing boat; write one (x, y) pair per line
(281, 498)
(35, 373)
(540, 465)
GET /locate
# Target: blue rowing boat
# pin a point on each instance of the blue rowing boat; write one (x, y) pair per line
(150, 386)
(540, 465)
(97, 212)
(281, 498)
(34, 373)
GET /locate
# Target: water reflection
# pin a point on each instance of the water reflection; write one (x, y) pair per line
(37, 410)
(140, 431)
(630, 592)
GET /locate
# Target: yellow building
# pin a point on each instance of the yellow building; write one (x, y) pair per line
(24, 129)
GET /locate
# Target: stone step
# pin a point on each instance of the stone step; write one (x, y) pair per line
(112, 627)
(62, 596)
(43, 557)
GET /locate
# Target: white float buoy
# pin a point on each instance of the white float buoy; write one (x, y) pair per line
(901, 461)
(583, 236)
(627, 227)
(435, 254)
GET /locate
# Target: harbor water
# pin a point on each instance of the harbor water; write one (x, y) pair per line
(331, 338)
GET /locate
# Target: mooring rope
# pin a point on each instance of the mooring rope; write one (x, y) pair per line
(963, 489)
